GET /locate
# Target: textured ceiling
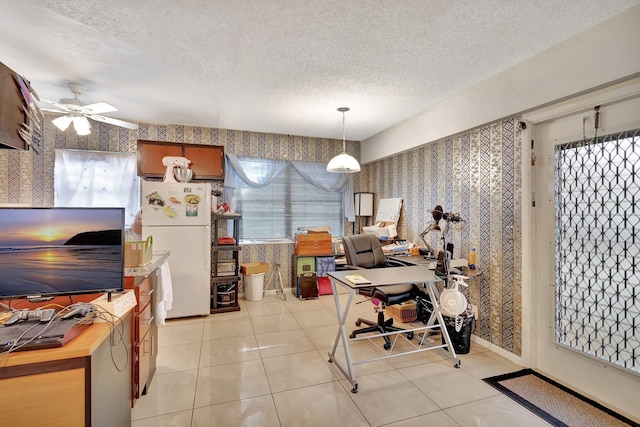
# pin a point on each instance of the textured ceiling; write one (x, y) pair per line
(280, 66)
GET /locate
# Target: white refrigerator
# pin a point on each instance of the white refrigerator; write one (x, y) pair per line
(178, 217)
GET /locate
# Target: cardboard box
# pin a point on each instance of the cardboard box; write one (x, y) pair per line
(255, 267)
(404, 312)
(138, 253)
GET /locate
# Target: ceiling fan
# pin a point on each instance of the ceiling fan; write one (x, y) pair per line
(77, 112)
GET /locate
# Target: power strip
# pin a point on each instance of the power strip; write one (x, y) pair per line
(119, 305)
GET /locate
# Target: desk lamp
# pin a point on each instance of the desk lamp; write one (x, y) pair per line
(445, 254)
(436, 213)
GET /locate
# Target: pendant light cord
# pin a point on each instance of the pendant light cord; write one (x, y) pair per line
(344, 137)
(344, 134)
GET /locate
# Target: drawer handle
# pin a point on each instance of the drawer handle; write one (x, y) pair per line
(149, 321)
(150, 292)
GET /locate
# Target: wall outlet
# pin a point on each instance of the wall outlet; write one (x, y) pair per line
(474, 311)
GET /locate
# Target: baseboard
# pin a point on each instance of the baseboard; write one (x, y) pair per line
(498, 350)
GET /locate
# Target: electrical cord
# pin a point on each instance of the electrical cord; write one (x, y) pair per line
(116, 332)
(15, 346)
(114, 328)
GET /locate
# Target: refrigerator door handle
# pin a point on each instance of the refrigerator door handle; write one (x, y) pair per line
(206, 251)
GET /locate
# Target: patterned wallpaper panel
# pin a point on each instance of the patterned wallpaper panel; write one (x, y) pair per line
(478, 175)
(27, 178)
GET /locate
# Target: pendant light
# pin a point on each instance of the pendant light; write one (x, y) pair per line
(343, 163)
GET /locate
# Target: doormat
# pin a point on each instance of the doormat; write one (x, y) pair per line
(554, 402)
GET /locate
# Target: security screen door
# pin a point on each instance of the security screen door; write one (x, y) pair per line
(597, 243)
(587, 266)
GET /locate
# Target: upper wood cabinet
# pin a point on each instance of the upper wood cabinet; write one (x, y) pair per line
(207, 161)
(11, 110)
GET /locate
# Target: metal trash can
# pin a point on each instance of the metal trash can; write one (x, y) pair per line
(460, 330)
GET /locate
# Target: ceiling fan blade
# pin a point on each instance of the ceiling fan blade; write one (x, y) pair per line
(62, 122)
(98, 108)
(113, 121)
(56, 104)
(51, 110)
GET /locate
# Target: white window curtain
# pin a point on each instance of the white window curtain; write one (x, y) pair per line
(264, 171)
(96, 179)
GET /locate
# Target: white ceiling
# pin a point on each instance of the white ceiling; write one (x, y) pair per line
(276, 65)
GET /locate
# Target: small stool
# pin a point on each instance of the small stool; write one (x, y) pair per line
(277, 286)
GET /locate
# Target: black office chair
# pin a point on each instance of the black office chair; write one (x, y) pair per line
(364, 251)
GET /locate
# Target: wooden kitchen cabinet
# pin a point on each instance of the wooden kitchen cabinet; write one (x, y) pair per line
(11, 110)
(144, 334)
(150, 157)
(207, 161)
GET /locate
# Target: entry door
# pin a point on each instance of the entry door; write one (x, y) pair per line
(602, 381)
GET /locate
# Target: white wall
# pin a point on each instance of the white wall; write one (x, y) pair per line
(606, 53)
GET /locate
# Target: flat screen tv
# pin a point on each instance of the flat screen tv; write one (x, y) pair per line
(46, 252)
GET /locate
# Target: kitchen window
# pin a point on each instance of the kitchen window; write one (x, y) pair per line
(85, 178)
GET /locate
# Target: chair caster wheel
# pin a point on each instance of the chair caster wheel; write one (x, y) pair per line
(352, 336)
(457, 365)
(386, 346)
(354, 389)
(410, 336)
(358, 323)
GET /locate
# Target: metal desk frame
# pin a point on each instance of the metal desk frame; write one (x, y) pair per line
(419, 275)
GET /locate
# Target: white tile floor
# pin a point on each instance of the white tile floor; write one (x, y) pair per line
(266, 365)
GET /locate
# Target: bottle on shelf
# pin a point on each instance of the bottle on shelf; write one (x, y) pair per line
(472, 258)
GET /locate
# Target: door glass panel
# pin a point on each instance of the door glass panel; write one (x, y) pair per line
(597, 247)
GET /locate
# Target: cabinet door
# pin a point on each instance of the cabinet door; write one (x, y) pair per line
(50, 398)
(11, 113)
(207, 161)
(150, 156)
(143, 349)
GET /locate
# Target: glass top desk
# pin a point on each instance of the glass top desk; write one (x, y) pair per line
(422, 277)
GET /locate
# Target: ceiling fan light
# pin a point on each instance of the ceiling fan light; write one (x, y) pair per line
(343, 163)
(81, 125)
(62, 122)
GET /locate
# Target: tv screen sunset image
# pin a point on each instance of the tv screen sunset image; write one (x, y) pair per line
(60, 251)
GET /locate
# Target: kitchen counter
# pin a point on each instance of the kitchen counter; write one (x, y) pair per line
(143, 271)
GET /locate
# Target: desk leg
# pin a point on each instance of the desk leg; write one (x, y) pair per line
(347, 371)
(451, 354)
